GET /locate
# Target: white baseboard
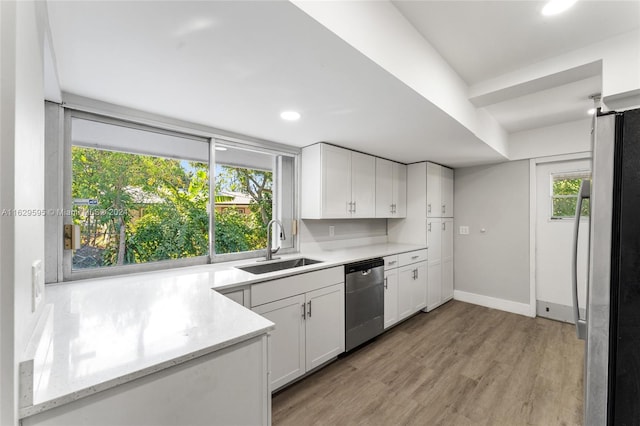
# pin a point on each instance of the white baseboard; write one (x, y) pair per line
(495, 303)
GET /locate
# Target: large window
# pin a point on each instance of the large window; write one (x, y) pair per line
(147, 198)
(565, 188)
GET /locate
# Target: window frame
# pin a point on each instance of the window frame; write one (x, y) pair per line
(576, 174)
(61, 165)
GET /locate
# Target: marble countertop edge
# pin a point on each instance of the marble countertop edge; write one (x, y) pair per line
(117, 381)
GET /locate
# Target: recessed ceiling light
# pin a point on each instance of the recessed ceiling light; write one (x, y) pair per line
(553, 7)
(220, 148)
(591, 111)
(290, 115)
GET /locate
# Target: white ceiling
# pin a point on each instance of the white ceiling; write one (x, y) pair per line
(485, 39)
(236, 65)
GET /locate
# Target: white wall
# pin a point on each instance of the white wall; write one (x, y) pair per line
(565, 138)
(7, 99)
(22, 175)
(495, 263)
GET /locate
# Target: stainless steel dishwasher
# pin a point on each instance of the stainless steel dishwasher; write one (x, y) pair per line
(364, 301)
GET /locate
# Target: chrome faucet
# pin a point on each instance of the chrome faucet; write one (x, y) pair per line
(270, 251)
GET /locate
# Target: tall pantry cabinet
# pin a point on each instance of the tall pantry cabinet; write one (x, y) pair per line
(430, 208)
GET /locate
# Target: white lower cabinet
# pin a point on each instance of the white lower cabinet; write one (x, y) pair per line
(405, 286)
(287, 340)
(412, 289)
(390, 297)
(324, 325)
(309, 326)
(440, 242)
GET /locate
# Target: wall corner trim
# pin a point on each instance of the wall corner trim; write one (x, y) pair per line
(495, 303)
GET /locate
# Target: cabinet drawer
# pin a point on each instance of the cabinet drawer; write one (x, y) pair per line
(391, 262)
(270, 291)
(412, 257)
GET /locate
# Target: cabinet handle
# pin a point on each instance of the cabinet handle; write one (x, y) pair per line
(416, 273)
(429, 227)
(350, 206)
(415, 257)
(354, 207)
(304, 312)
(444, 226)
(386, 282)
(393, 262)
(444, 209)
(309, 312)
(428, 208)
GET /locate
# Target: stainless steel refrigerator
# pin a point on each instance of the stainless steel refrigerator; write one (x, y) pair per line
(612, 324)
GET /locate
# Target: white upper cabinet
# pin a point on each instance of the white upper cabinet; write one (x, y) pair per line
(391, 189)
(446, 192)
(337, 183)
(439, 191)
(434, 200)
(363, 185)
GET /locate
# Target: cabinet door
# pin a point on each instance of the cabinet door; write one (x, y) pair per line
(405, 291)
(363, 185)
(287, 340)
(390, 297)
(325, 325)
(419, 286)
(434, 240)
(336, 186)
(434, 200)
(400, 190)
(384, 187)
(447, 259)
(434, 279)
(434, 286)
(446, 178)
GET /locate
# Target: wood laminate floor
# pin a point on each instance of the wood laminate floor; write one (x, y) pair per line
(459, 365)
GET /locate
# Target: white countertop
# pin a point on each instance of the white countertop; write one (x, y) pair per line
(105, 332)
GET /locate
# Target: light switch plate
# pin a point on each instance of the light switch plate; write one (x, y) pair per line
(464, 230)
(37, 284)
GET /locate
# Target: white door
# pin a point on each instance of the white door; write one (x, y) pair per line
(287, 340)
(554, 239)
(325, 325)
(390, 297)
(363, 185)
(447, 259)
(336, 178)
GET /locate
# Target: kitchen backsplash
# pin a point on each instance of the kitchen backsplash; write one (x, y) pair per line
(314, 232)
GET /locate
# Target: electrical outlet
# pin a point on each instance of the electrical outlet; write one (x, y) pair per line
(332, 231)
(464, 230)
(37, 284)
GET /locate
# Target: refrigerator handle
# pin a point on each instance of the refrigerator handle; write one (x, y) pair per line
(581, 324)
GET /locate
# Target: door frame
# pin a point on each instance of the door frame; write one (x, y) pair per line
(533, 163)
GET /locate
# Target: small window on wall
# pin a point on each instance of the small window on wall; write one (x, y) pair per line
(139, 196)
(565, 188)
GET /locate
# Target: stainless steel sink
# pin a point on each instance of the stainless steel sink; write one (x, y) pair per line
(263, 268)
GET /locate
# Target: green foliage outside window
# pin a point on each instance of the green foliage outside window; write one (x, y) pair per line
(565, 197)
(151, 208)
